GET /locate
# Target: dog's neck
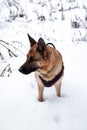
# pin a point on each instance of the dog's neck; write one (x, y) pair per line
(51, 73)
(49, 83)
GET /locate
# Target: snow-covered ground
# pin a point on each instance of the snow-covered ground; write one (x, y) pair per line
(19, 108)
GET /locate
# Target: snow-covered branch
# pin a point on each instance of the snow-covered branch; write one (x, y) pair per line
(6, 71)
(9, 50)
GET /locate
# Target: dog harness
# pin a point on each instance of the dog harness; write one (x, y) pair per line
(54, 80)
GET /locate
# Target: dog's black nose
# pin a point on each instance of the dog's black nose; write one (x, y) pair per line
(20, 70)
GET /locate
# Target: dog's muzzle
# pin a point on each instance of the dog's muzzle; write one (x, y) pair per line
(27, 70)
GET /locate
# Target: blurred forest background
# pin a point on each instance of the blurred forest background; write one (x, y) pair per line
(39, 18)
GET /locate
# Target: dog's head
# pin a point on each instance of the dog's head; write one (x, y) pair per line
(37, 57)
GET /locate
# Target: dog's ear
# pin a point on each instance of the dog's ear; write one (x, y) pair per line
(32, 41)
(41, 45)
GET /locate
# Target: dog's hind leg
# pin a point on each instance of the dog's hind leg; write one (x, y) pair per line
(58, 89)
(40, 93)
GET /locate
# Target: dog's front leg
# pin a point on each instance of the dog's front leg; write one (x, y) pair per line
(58, 89)
(40, 92)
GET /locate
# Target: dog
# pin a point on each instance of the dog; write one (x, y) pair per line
(47, 63)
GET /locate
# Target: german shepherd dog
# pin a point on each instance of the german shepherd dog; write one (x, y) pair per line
(47, 63)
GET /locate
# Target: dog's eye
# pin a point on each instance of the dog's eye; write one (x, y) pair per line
(31, 59)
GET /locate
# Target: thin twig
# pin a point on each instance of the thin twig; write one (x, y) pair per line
(8, 49)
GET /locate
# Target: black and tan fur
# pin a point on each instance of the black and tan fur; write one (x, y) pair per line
(46, 62)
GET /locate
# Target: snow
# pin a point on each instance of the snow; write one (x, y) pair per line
(19, 107)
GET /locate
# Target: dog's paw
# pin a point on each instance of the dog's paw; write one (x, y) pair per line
(40, 100)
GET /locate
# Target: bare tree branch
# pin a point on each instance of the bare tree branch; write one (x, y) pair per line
(6, 69)
(8, 48)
